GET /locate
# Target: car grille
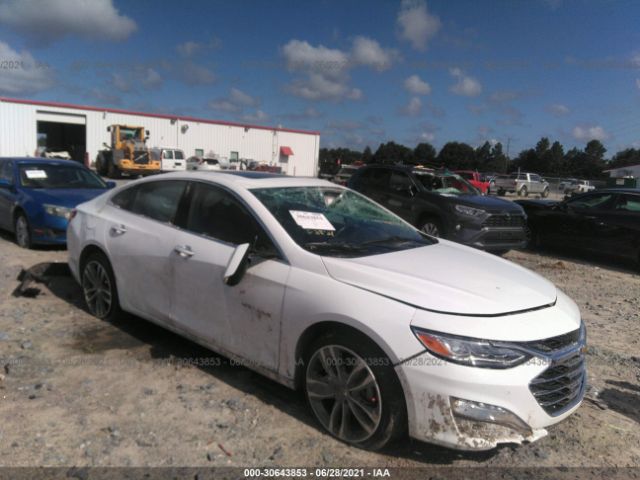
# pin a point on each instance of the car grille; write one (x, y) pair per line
(562, 384)
(555, 343)
(512, 221)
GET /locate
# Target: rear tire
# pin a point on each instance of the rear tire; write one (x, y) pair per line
(353, 390)
(99, 288)
(523, 192)
(22, 231)
(101, 164)
(545, 193)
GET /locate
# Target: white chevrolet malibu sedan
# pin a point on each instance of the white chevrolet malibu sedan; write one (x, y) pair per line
(386, 330)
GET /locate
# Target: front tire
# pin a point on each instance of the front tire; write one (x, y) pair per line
(22, 231)
(99, 288)
(545, 193)
(432, 227)
(353, 390)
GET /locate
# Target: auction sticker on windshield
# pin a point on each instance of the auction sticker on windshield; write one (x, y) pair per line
(311, 220)
(35, 174)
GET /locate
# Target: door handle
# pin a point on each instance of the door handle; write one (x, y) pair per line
(118, 229)
(184, 251)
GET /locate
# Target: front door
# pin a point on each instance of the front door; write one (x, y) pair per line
(7, 197)
(243, 319)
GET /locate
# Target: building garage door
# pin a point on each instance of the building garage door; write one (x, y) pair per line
(61, 132)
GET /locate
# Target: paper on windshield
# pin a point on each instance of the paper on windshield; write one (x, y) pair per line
(311, 220)
(35, 174)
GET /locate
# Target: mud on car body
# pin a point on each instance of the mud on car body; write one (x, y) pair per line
(321, 289)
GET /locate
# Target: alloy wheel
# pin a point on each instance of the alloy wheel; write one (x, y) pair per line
(431, 228)
(22, 232)
(97, 289)
(343, 393)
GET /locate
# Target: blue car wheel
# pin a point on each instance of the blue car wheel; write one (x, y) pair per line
(23, 234)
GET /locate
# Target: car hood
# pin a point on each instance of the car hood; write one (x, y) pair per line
(448, 278)
(65, 197)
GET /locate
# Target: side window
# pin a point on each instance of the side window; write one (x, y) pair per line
(535, 178)
(400, 182)
(6, 171)
(629, 203)
(596, 201)
(167, 154)
(158, 200)
(375, 177)
(124, 199)
(179, 154)
(216, 213)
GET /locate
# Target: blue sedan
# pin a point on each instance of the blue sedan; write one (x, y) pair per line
(38, 195)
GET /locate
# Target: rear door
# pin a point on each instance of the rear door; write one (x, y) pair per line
(243, 319)
(584, 223)
(140, 241)
(617, 230)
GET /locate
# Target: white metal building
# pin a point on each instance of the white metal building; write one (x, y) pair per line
(628, 171)
(26, 125)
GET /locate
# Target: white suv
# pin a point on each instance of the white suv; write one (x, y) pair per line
(386, 329)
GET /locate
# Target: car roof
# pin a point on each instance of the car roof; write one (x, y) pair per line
(40, 160)
(248, 180)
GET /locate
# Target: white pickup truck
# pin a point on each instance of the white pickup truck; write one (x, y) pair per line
(523, 184)
(576, 186)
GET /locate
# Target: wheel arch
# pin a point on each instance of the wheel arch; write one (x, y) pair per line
(87, 251)
(316, 330)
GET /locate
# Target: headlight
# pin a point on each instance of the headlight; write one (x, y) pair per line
(470, 351)
(58, 211)
(469, 210)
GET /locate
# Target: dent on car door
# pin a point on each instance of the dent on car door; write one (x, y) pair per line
(139, 238)
(243, 319)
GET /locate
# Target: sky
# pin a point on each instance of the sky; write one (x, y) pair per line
(360, 72)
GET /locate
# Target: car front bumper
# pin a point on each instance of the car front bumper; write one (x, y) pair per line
(490, 238)
(50, 231)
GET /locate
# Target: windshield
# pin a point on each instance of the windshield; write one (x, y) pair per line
(446, 184)
(45, 175)
(337, 222)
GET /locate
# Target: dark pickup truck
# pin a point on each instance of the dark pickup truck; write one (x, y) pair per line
(443, 204)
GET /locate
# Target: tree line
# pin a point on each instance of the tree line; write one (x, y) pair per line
(546, 158)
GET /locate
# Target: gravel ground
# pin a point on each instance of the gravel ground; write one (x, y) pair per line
(78, 391)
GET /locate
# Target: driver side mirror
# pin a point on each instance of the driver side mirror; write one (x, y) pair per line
(237, 266)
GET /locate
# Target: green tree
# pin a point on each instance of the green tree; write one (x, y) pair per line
(595, 149)
(367, 155)
(392, 152)
(624, 158)
(424, 153)
(483, 156)
(456, 155)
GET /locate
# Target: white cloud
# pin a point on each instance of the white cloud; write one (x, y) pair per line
(466, 86)
(258, 116)
(188, 49)
(587, 133)
(368, 52)
(151, 78)
(324, 72)
(558, 109)
(635, 60)
(25, 74)
(427, 136)
(417, 26)
(236, 102)
(414, 107)
(304, 57)
(238, 97)
(194, 74)
(46, 20)
(416, 86)
(120, 82)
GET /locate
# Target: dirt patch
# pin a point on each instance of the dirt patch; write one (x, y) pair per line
(78, 391)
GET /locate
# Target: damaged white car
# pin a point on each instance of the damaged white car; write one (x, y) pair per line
(387, 330)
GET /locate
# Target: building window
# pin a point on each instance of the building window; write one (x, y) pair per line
(199, 152)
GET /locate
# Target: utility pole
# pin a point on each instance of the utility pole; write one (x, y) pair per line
(506, 162)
